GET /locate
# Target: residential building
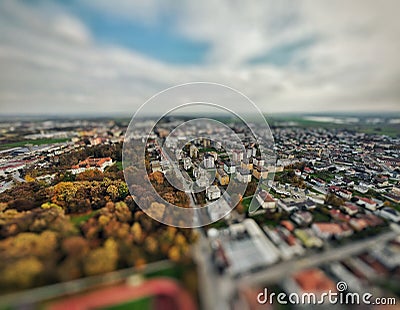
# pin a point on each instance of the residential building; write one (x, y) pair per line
(265, 200)
(302, 218)
(92, 163)
(389, 214)
(229, 167)
(213, 192)
(368, 203)
(222, 177)
(208, 161)
(260, 173)
(187, 163)
(329, 230)
(350, 208)
(243, 175)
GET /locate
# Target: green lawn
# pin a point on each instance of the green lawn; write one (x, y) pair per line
(119, 165)
(77, 219)
(320, 217)
(10, 145)
(138, 304)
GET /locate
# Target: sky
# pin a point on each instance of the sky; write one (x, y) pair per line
(108, 57)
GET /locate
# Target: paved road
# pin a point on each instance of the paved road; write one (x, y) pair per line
(214, 289)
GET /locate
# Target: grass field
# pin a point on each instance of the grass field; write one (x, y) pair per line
(10, 145)
(77, 219)
(138, 304)
(119, 165)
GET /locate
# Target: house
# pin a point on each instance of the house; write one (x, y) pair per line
(193, 151)
(329, 230)
(396, 190)
(260, 173)
(358, 224)
(208, 161)
(368, 203)
(344, 193)
(243, 175)
(339, 216)
(349, 208)
(92, 163)
(290, 204)
(237, 155)
(247, 164)
(155, 166)
(258, 161)
(310, 281)
(265, 200)
(222, 177)
(213, 192)
(201, 179)
(381, 181)
(308, 170)
(229, 167)
(250, 151)
(318, 182)
(187, 163)
(316, 197)
(302, 218)
(389, 214)
(288, 225)
(214, 154)
(361, 188)
(373, 220)
(308, 238)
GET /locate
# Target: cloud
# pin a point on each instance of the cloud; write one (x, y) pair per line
(51, 62)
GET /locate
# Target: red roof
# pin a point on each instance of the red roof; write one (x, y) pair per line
(367, 200)
(314, 280)
(92, 162)
(265, 196)
(331, 228)
(288, 225)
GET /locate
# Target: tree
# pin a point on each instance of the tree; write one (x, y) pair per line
(103, 259)
(122, 212)
(333, 200)
(157, 177)
(22, 273)
(137, 233)
(112, 190)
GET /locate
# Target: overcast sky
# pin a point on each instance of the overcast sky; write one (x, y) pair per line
(108, 57)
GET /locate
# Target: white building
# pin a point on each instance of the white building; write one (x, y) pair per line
(193, 151)
(92, 163)
(187, 163)
(237, 155)
(258, 161)
(265, 200)
(229, 167)
(213, 192)
(243, 175)
(389, 214)
(208, 161)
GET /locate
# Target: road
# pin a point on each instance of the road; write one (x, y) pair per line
(214, 289)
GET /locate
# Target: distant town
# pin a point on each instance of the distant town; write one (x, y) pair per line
(328, 210)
